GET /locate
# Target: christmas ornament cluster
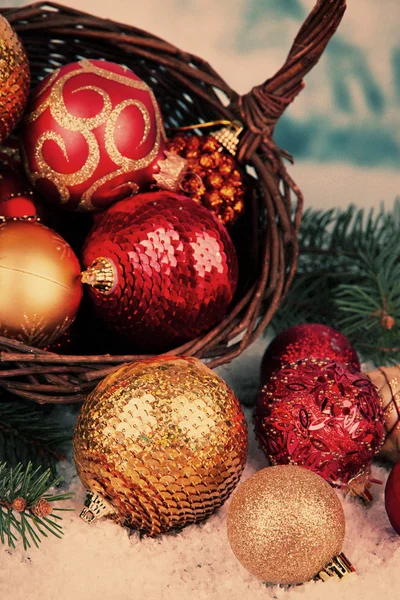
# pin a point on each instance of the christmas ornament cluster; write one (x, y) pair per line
(93, 192)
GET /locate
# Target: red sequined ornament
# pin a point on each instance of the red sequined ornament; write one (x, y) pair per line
(392, 497)
(320, 415)
(213, 176)
(93, 134)
(308, 340)
(163, 269)
(14, 79)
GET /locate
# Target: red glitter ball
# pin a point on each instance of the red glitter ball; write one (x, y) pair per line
(308, 340)
(392, 497)
(174, 269)
(320, 415)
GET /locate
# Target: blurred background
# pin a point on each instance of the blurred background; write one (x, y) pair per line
(344, 128)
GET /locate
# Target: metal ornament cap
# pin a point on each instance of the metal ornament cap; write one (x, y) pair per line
(229, 136)
(95, 508)
(339, 567)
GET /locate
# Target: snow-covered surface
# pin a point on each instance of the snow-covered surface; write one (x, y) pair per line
(104, 560)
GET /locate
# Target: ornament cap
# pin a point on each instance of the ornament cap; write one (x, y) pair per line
(339, 567)
(95, 507)
(359, 485)
(172, 171)
(228, 136)
(101, 275)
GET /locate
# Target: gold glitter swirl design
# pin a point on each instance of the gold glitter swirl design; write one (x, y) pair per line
(163, 440)
(125, 164)
(85, 126)
(62, 180)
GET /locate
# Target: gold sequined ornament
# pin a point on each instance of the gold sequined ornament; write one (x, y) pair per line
(159, 444)
(14, 79)
(213, 176)
(387, 382)
(286, 526)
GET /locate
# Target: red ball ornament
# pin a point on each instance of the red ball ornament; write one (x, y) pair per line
(392, 497)
(16, 196)
(14, 79)
(320, 415)
(308, 340)
(162, 269)
(93, 134)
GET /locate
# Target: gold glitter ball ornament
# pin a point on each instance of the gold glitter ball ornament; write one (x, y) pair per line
(286, 524)
(159, 444)
(14, 79)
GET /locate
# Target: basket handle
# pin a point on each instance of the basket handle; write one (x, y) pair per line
(261, 108)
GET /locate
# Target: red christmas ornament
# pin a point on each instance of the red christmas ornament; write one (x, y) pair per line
(14, 79)
(392, 497)
(16, 196)
(163, 269)
(320, 415)
(93, 134)
(308, 340)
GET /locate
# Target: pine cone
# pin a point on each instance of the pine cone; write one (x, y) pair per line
(19, 504)
(387, 382)
(42, 508)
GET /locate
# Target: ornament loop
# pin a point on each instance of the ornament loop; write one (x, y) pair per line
(95, 507)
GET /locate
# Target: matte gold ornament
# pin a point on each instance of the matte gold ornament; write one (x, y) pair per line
(14, 79)
(160, 443)
(286, 526)
(40, 283)
(387, 382)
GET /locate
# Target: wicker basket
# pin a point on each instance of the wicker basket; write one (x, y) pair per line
(189, 91)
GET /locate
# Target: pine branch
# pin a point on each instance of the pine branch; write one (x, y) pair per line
(26, 509)
(348, 278)
(28, 434)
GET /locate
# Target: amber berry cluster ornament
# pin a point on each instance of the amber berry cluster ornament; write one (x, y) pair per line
(159, 444)
(14, 79)
(213, 176)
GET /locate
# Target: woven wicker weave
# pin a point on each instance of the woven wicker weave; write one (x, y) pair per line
(189, 91)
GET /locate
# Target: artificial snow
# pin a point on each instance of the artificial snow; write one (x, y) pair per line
(104, 560)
